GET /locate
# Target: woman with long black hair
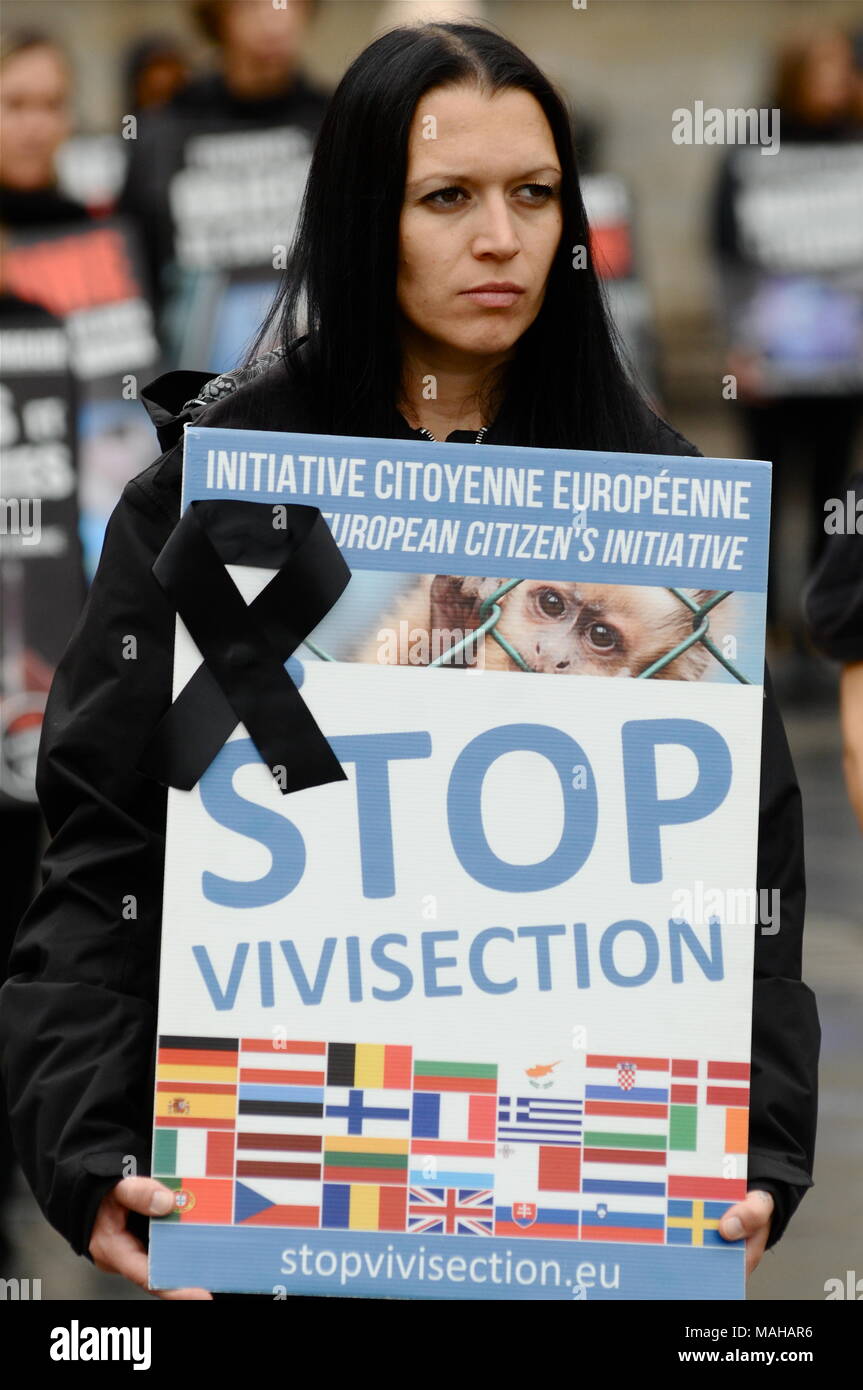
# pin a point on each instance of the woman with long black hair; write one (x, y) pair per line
(441, 286)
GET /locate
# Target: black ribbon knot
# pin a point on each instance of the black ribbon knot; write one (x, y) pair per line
(244, 646)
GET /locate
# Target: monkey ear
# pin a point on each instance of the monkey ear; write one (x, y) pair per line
(455, 600)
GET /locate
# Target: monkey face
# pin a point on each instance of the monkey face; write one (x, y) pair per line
(577, 629)
(600, 630)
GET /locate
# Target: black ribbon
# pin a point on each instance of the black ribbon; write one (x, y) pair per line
(245, 646)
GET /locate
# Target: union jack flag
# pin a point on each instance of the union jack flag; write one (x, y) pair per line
(451, 1211)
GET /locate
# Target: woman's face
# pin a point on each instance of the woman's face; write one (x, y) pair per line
(481, 205)
(262, 31)
(34, 116)
(828, 78)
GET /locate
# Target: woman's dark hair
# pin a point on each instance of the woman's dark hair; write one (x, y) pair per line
(152, 48)
(208, 16)
(565, 386)
(792, 75)
(15, 41)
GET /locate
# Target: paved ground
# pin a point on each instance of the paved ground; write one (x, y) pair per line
(819, 1243)
(824, 1239)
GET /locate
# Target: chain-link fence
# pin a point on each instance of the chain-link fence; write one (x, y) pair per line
(491, 612)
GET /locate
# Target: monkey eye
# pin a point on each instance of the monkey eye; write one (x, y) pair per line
(603, 637)
(551, 603)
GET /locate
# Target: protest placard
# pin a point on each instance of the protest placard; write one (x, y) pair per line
(90, 275)
(41, 572)
(469, 1016)
(792, 299)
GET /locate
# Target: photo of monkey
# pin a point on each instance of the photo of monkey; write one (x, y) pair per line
(554, 627)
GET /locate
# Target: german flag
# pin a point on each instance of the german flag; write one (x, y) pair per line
(196, 1059)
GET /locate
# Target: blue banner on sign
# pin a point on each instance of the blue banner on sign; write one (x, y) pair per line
(373, 1264)
(398, 505)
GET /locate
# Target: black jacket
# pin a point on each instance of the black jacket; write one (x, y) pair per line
(78, 1012)
(833, 603)
(205, 106)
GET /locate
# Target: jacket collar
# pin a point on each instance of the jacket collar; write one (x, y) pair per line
(176, 398)
(165, 398)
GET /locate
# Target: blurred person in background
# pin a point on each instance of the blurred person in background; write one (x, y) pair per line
(258, 83)
(833, 607)
(259, 48)
(857, 94)
(35, 120)
(72, 257)
(156, 68)
(795, 341)
(40, 598)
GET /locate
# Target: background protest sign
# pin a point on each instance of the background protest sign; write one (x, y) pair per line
(792, 297)
(608, 202)
(217, 201)
(90, 276)
(235, 192)
(41, 572)
(475, 1021)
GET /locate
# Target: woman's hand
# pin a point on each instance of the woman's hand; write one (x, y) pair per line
(114, 1248)
(749, 1218)
(851, 716)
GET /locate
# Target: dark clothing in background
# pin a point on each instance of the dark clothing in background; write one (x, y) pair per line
(725, 235)
(39, 207)
(812, 438)
(22, 827)
(299, 103)
(204, 106)
(809, 438)
(78, 1013)
(834, 596)
(21, 835)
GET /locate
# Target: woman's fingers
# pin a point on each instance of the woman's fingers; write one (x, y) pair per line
(144, 1195)
(181, 1293)
(119, 1252)
(113, 1247)
(750, 1219)
(124, 1254)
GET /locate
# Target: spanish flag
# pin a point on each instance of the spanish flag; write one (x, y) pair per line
(197, 1103)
